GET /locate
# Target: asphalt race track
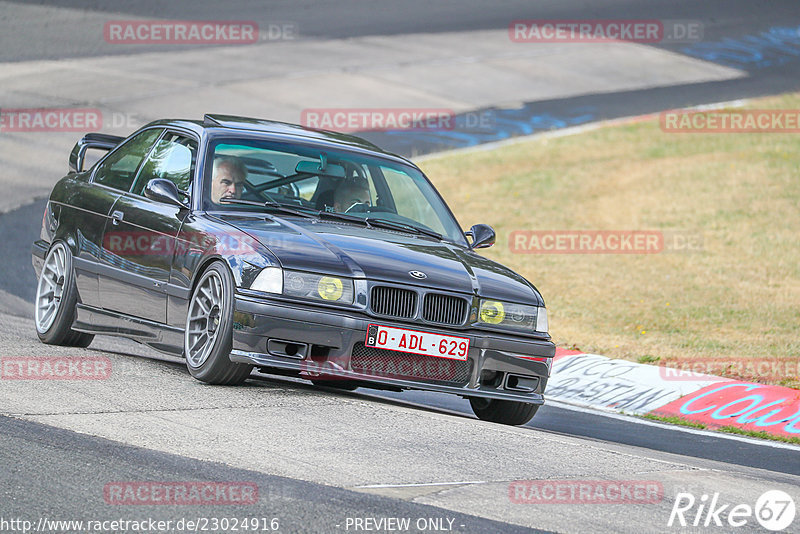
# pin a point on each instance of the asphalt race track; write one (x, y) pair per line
(322, 459)
(41, 451)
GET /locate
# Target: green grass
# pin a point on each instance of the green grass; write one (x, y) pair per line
(760, 434)
(672, 420)
(735, 298)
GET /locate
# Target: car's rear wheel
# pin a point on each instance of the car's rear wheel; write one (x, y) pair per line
(503, 411)
(56, 298)
(208, 338)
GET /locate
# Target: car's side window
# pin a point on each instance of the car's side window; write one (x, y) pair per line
(173, 158)
(119, 169)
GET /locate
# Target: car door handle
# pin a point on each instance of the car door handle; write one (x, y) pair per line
(116, 217)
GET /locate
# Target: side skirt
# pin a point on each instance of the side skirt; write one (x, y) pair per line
(159, 336)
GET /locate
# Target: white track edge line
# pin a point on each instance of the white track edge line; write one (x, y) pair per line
(422, 484)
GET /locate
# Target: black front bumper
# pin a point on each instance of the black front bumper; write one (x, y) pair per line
(319, 343)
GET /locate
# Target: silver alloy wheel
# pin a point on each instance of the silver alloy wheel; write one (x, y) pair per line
(51, 287)
(203, 326)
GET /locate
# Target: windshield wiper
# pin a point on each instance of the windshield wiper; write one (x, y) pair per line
(342, 217)
(284, 208)
(294, 210)
(402, 227)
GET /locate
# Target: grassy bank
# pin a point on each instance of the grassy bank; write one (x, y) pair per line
(736, 298)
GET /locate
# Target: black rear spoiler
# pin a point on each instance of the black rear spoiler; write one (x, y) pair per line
(91, 140)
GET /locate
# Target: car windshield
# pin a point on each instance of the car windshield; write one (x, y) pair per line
(253, 175)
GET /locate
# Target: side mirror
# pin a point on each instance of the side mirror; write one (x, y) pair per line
(165, 191)
(482, 235)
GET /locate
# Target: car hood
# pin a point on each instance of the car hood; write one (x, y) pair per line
(351, 250)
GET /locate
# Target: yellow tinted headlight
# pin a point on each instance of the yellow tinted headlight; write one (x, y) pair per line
(520, 317)
(492, 312)
(330, 288)
(318, 286)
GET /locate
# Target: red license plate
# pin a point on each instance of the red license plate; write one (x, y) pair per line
(417, 342)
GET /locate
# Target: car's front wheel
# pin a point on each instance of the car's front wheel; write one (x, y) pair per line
(503, 411)
(56, 298)
(208, 338)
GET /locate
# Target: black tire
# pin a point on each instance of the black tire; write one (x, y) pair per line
(56, 328)
(212, 363)
(81, 339)
(503, 411)
(346, 385)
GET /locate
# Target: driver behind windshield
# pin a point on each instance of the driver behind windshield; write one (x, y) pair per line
(350, 193)
(227, 179)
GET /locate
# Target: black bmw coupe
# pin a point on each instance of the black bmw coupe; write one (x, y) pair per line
(241, 243)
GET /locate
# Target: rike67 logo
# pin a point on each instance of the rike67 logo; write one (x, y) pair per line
(774, 510)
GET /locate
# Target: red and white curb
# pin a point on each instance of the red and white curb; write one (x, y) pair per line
(598, 382)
